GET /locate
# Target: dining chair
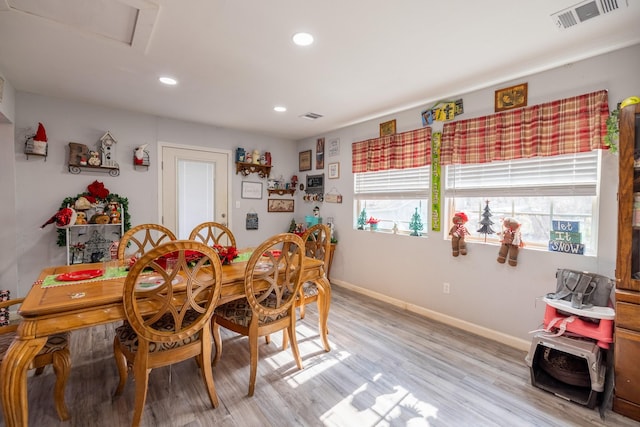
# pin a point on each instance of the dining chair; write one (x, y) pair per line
(139, 239)
(272, 281)
(213, 233)
(317, 241)
(168, 313)
(55, 352)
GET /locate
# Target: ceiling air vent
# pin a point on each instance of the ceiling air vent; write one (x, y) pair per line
(580, 12)
(311, 116)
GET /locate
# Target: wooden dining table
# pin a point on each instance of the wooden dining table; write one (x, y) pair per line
(50, 310)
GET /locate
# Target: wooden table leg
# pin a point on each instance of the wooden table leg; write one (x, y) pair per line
(13, 380)
(324, 302)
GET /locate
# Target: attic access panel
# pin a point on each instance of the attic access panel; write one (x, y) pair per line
(126, 21)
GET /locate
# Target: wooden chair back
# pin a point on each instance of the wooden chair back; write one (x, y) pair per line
(141, 238)
(198, 281)
(213, 233)
(273, 277)
(317, 241)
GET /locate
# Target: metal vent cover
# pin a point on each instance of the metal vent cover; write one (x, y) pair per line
(311, 116)
(580, 12)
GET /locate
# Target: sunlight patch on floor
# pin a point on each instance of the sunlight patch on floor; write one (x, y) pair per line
(369, 407)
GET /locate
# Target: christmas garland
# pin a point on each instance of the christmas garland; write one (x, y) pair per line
(101, 196)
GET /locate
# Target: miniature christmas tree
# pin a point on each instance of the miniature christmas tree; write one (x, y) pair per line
(362, 219)
(293, 225)
(486, 222)
(416, 224)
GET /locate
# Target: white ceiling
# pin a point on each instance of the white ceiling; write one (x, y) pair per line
(235, 61)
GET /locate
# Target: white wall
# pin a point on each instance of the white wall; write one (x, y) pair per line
(43, 185)
(8, 267)
(489, 295)
(407, 270)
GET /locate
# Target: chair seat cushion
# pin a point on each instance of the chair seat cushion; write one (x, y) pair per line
(239, 311)
(129, 339)
(310, 289)
(54, 343)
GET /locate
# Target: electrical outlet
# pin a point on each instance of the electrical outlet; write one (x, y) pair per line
(446, 288)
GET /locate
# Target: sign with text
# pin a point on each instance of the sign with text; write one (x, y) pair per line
(566, 247)
(565, 236)
(572, 226)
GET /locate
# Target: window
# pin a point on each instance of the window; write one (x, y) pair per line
(535, 191)
(392, 197)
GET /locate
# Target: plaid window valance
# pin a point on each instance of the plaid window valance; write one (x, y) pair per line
(570, 125)
(400, 151)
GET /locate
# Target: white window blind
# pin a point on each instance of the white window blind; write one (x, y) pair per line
(572, 174)
(395, 183)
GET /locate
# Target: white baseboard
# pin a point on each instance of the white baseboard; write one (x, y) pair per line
(500, 337)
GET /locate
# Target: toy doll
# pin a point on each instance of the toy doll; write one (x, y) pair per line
(457, 233)
(511, 241)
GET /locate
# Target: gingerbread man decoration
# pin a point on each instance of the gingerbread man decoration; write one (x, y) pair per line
(511, 241)
(457, 233)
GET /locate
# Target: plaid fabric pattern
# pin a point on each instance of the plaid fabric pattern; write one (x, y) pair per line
(4, 312)
(400, 151)
(571, 125)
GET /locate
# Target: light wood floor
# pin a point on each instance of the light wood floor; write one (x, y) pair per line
(387, 367)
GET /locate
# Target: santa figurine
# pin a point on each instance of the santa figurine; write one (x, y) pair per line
(457, 233)
(511, 241)
(40, 141)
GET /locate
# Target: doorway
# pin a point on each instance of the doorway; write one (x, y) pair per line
(194, 187)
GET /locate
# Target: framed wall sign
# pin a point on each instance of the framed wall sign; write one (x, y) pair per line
(511, 97)
(334, 170)
(333, 148)
(252, 221)
(304, 160)
(251, 190)
(388, 128)
(280, 205)
(320, 153)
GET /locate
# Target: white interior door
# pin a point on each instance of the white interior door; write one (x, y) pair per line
(194, 188)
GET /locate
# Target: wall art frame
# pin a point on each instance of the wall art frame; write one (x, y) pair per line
(304, 161)
(333, 148)
(334, 170)
(320, 153)
(388, 128)
(280, 205)
(251, 190)
(511, 97)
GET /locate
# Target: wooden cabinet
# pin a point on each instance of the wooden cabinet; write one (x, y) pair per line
(627, 324)
(92, 242)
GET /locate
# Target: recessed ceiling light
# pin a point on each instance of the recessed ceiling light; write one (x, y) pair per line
(168, 81)
(302, 39)
(279, 109)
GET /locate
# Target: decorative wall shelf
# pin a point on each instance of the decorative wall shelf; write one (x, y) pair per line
(112, 170)
(247, 168)
(281, 191)
(31, 150)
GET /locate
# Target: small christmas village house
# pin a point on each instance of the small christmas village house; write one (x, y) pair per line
(108, 150)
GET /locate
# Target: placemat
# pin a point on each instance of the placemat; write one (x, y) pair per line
(113, 273)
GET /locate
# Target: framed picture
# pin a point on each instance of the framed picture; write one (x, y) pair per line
(334, 147)
(251, 190)
(280, 205)
(334, 170)
(511, 97)
(304, 161)
(320, 153)
(388, 128)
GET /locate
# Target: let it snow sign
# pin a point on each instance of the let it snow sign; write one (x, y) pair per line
(566, 237)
